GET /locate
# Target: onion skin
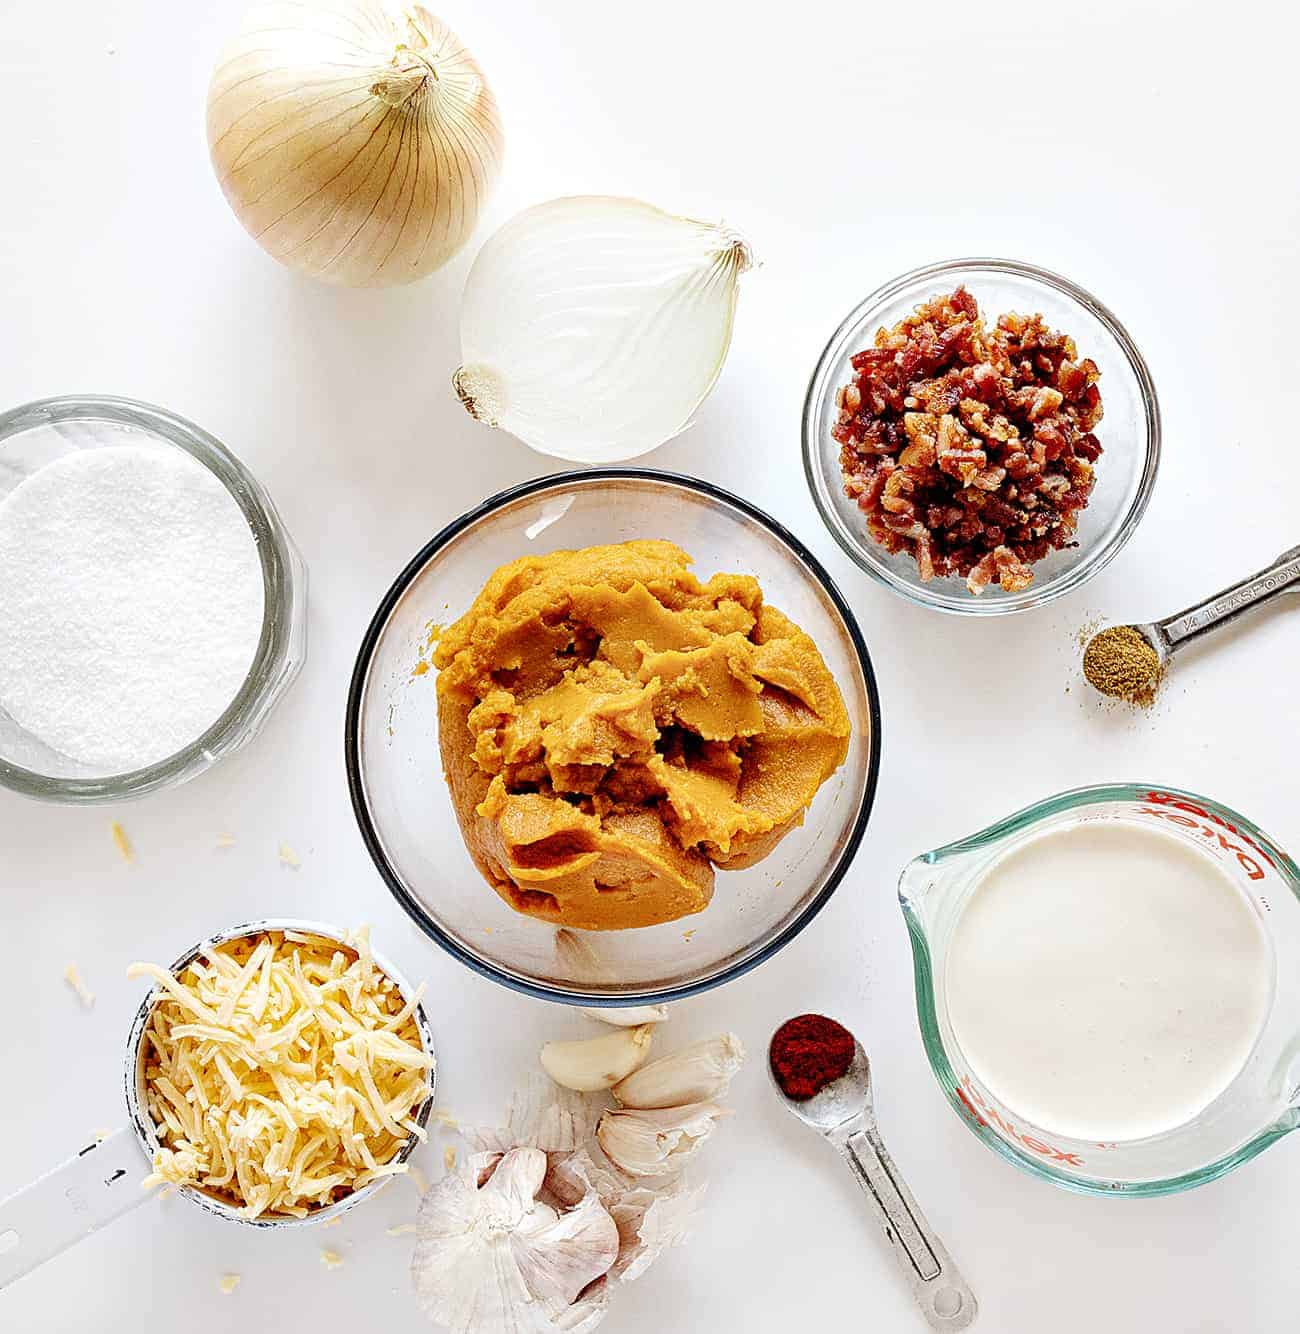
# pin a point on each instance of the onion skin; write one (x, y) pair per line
(355, 140)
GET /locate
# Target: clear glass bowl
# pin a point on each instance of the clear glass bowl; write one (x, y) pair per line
(401, 800)
(1129, 431)
(37, 434)
(1258, 1107)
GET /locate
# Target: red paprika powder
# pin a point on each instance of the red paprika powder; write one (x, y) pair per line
(809, 1052)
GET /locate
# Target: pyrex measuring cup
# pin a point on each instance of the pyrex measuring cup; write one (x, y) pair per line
(102, 1182)
(1258, 1107)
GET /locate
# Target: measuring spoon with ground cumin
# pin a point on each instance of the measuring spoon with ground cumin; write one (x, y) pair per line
(1129, 661)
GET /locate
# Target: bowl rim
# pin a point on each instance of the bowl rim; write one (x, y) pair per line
(360, 675)
(861, 553)
(284, 579)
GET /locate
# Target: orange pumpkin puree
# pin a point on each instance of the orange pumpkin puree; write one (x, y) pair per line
(612, 730)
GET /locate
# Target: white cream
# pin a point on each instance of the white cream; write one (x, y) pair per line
(1107, 981)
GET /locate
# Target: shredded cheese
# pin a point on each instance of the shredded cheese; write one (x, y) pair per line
(401, 1230)
(73, 978)
(225, 840)
(288, 857)
(449, 1157)
(122, 843)
(282, 1072)
(331, 1259)
(229, 1282)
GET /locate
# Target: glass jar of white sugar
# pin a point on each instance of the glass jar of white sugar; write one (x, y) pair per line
(152, 604)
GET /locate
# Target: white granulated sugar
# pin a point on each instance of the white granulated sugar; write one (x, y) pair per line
(131, 604)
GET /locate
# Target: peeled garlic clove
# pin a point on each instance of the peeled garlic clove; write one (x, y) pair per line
(593, 327)
(627, 1016)
(698, 1073)
(656, 1142)
(592, 1064)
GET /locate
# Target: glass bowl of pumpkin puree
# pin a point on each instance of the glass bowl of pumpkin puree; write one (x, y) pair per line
(613, 737)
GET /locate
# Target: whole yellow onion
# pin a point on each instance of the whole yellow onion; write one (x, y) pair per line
(356, 140)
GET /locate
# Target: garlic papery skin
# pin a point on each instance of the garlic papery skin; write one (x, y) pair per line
(627, 1016)
(649, 1222)
(656, 1142)
(593, 327)
(591, 1064)
(650, 1216)
(700, 1072)
(356, 140)
(490, 1258)
(541, 1116)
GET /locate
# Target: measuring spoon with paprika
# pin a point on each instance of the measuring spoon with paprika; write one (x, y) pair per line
(821, 1073)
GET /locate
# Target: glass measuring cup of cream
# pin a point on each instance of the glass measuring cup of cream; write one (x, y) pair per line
(1107, 986)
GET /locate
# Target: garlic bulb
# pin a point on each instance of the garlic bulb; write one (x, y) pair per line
(490, 1258)
(592, 1064)
(627, 1016)
(697, 1073)
(656, 1142)
(356, 140)
(650, 1218)
(519, 1240)
(593, 327)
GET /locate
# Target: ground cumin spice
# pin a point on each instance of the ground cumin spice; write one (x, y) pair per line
(1121, 662)
(809, 1052)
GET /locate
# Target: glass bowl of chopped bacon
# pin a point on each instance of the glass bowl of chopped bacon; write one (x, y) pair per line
(981, 436)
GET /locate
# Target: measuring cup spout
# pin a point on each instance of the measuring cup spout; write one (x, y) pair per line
(921, 889)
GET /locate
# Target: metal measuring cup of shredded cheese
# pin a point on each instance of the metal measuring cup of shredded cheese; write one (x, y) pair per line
(103, 1181)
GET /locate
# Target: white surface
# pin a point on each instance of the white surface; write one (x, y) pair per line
(1145, 154)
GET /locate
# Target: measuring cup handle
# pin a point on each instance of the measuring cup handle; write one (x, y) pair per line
(59, 1209)
(1283, 576)
(943, 1295)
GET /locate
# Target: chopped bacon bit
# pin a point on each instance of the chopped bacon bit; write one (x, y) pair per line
(981, 574)
(970, 448)
(1013, 573)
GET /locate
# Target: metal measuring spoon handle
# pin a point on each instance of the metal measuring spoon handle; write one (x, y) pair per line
(1283, 576)
(945, 1298)
(61, 1208)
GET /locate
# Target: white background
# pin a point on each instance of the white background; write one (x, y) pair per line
(1144, 152)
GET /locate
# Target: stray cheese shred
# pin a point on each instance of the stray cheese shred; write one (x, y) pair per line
(122, 843)
(72, 976)
(283, 1071)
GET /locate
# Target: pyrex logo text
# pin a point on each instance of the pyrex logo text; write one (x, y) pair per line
(985, 1115)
